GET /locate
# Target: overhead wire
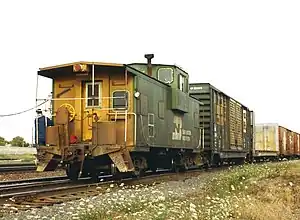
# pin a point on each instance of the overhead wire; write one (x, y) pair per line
(27, 110)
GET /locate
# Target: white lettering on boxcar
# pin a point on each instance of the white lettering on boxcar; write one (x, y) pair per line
(196, 88)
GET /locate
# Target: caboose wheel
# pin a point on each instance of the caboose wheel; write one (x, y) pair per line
(139, 166)
(73, 170)
(180, 163)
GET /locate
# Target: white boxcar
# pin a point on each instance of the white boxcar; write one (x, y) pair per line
(266, 140)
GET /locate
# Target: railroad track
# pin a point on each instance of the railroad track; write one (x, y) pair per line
(32, 180)
(44, 193)
(5, 168)
(39, 192)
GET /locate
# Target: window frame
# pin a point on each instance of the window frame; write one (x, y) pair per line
(87, 84)
(151, 125)
(158, 74)
(128, 98)
(182, 82)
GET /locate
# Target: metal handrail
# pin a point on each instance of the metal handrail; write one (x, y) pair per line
(135, 120)
(100, 109)
(66, 99)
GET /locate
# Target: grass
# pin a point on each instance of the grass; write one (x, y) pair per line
(10, 158)
(253, 192)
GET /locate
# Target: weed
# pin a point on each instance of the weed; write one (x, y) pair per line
(253, 191)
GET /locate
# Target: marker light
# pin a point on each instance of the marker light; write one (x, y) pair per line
(136, 94)
(80, 68)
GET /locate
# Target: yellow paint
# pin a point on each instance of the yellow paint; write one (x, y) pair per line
(81, 126)
(117, 82)
(266, 138)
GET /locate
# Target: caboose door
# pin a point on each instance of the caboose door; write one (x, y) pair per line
(92, 107)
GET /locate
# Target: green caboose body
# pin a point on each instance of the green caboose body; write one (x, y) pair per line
(168, 126)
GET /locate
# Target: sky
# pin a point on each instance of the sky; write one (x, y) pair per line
(248, 49)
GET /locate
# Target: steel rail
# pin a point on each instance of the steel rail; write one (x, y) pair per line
(32, 180)
(13, 168)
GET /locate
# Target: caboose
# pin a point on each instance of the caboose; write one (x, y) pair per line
(120, 118)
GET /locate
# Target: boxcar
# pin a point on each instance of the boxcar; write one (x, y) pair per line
(275, 141)
(266, 141)
(296, 144)
(286, 142)
(228, 125)
(290, 143)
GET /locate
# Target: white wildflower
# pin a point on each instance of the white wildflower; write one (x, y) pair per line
(162, 206)
(192, 206)
(194, 215)
(161, 198)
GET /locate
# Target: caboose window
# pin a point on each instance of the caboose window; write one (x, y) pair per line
(181, 83)
(165, 75)
(120, 99)
(97, 94)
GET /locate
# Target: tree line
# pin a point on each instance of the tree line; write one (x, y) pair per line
(16, 141)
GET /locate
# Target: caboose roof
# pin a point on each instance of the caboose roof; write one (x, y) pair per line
(67, 69)
(80, 62)
(49, 71)
(159, 64)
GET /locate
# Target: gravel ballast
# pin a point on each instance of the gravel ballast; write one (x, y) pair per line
(128, 199)
(30, 174)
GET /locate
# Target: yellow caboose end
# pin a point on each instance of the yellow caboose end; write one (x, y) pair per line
(92, 119)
